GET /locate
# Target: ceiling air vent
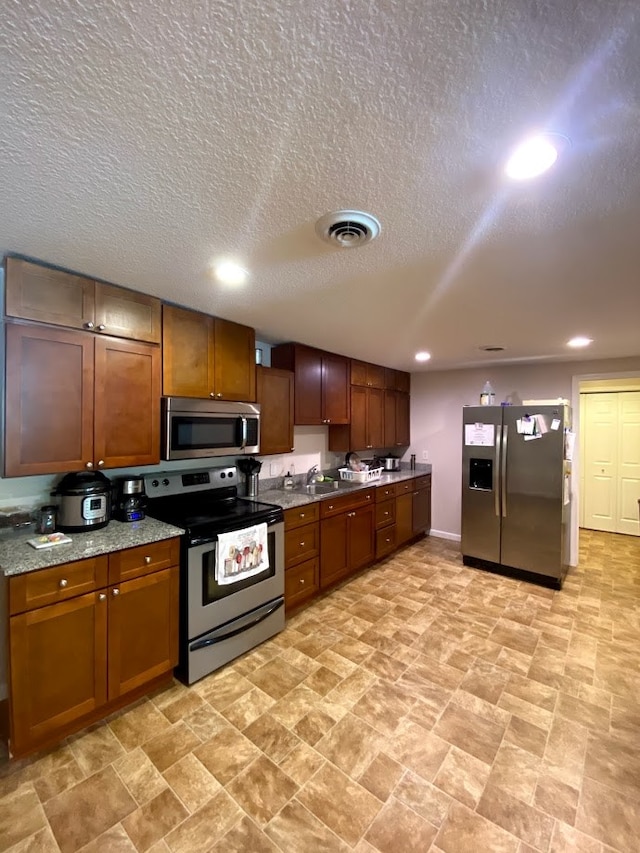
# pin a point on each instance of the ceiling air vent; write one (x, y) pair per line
(348, 228)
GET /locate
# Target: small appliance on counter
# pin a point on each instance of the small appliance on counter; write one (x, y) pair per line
(84, 502)
(387, 463)
(250, 467)
(129, 498)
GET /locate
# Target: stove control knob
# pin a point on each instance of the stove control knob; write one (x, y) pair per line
(165, 482)
(155, 484)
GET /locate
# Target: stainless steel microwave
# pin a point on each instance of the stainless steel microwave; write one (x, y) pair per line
(196, 429)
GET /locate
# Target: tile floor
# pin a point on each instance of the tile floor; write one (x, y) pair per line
(423, 706)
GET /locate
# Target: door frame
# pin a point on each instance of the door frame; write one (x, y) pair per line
(576, 381)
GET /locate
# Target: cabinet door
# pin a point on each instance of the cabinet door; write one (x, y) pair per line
(301, 582)
(404, 517)
(389, 419)
(336, 397)
(49, 400)
(58, 665)
(422, 510)
(127, 403)
(234, 361)
(375, 417)
(143, 630)
(403, 438)
(274, 392)
(127, 314)
(187, 353)
(308, 386)
(361, 537)
(35, 292)
(334, 550)
(358, 431)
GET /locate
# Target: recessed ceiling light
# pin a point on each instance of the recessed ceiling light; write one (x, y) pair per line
(229, 272)
(579, 342)
(492, 348)
(534, 155)
(423, 356)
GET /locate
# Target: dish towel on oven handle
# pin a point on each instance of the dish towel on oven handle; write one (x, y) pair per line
(241, 554)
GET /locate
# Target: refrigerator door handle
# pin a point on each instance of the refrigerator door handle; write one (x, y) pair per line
(503, 470)
(496, 489)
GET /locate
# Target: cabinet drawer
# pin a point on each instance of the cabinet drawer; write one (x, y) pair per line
(301, 582)
(385, 513)
(334, 506)
(48, 586)
(301, 515)
(422, 482)
(383, 493)
(405, 487)
(385, 541)
(301, 543)
(134, 562)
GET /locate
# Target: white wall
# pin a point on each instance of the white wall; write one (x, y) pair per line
(437, 399)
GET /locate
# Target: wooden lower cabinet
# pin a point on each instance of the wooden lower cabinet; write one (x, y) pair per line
(422, 505)
(404, 518)
(73, 661)
(347, 540)
(301, 554)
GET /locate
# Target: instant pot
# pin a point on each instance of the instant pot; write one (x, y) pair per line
(84, 502)
(388, 463)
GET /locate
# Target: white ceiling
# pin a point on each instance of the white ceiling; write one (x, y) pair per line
(141, 140)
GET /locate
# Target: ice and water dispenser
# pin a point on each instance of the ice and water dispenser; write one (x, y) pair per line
(481, 474)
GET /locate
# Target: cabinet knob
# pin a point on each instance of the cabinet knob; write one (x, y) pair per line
(211, 394)
(368, 497)
(302, 581)
(219, 395)
(89, 465)
(387, 512)
(64, 582)
(115, 591)
(369, 446)
(100, 463)
(387, 540)
(89, 325)
(147, 560)
(102, 596)
(301, 515)
(302, 544)
(330, 506)
(328, 420)
(101, 327)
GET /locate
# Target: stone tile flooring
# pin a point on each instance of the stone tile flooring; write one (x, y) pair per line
(423, 706)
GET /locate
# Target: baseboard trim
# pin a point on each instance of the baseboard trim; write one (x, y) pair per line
(444, 534)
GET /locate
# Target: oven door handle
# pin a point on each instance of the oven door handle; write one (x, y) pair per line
(220, 634)
(243, 432)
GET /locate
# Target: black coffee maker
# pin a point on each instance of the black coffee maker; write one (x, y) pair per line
(129, 499)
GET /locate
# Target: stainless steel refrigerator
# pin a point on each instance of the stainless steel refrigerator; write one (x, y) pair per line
(516, 490)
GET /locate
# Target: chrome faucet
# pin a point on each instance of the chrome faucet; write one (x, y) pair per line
(311, 474)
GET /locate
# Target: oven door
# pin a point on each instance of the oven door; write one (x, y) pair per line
(210, 604)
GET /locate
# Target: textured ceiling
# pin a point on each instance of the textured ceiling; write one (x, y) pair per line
(142, 140)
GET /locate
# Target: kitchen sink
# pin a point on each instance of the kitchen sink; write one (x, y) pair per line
(319, 488)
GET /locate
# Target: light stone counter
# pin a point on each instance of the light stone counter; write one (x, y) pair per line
(290, 499)
(17, 557)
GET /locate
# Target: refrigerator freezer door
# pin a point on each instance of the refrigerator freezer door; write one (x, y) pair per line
(481, 433)
(534, 518)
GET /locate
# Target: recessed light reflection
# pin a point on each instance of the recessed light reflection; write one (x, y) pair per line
(578, 342)
(229, 272)
(423, 356)
(531, 158)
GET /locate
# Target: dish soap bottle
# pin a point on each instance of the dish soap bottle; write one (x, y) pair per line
(288, 481)
(487, 397)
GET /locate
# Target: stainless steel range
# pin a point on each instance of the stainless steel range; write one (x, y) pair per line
(232, 565)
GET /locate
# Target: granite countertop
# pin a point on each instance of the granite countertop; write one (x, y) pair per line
(288, 499)
(18, 557)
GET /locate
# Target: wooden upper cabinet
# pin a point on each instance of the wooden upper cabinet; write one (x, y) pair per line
(126, 314)
(275, 396)
(234, 376)
(205, 356)
(321, 383)
(396, 419)
(397, 380)
(78, 401)
(127, 404)
(366, 430)
(59, 298)
(371, 375)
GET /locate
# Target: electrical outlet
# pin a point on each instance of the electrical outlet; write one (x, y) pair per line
(425, 455)
(273, 469)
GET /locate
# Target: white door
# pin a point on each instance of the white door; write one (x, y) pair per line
(629, 463)
(600, 460)
(612, 461)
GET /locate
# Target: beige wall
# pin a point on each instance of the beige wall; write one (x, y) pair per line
(437, 399)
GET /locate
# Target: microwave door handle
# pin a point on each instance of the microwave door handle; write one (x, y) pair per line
(243, 432)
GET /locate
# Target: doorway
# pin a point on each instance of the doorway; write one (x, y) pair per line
(610, 455)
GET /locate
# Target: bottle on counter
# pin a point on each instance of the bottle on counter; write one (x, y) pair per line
(288, 481)
(488, 395)
(46, 522)
(412, 463)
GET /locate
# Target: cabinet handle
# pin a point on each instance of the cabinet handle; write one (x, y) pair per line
(100, 463)
(102, 596)
(89, 465)
(101, 327)
(147, 560)
(115, 591)
(89, 325)
(64, 582)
